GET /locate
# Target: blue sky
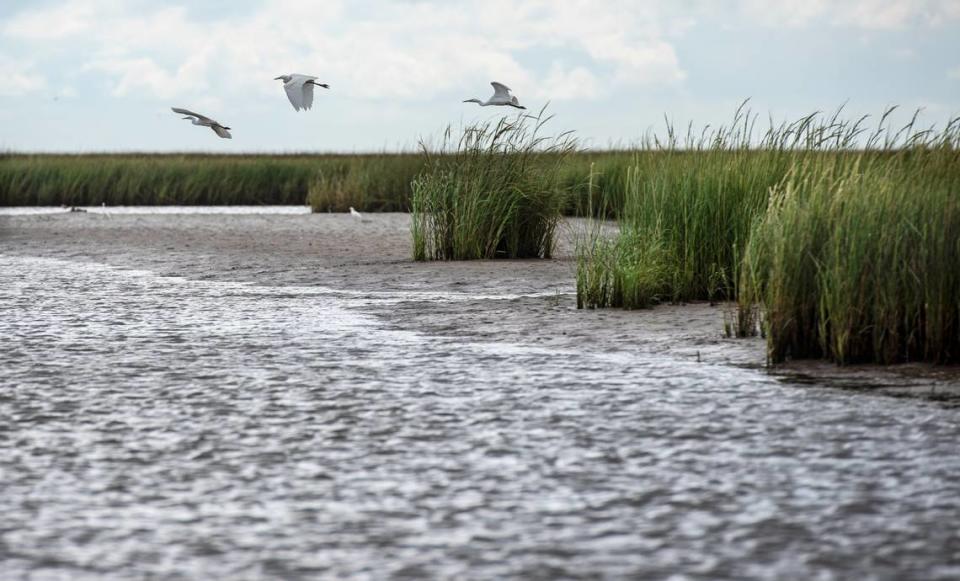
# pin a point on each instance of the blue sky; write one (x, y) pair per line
(99, 75)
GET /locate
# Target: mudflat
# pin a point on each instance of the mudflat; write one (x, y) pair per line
(501, 300)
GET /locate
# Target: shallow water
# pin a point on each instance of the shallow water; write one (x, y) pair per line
(153, 210)
(171, 428)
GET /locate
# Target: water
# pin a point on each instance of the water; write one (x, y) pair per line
(158, 210)
(170, 428)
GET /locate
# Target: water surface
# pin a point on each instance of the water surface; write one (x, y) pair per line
(162, 427)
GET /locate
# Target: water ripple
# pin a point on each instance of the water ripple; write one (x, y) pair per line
(162, 427)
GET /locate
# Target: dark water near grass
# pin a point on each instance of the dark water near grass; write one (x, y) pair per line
(168, 428)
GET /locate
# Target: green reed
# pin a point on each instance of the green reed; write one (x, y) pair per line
(492, 192)
(835, 242)
(857, 258)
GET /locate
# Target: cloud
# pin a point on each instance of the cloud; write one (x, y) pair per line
(373, 49)
(865, 14)
(19, 78)
(954, 73)
(567, 84)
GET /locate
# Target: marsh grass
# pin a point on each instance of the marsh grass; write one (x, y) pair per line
(371, 182)
(857, 258)
(494, 191)
(834, 242)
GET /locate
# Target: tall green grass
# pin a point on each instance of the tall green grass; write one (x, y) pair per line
(835, 242)
(495, 191)
(857, 259)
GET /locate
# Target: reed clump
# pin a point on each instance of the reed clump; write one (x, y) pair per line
(835, 242)
(493, 192)
(857, 259)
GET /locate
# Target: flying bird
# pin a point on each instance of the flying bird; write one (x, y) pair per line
(201, 120)
(299, 89)
(501, 96)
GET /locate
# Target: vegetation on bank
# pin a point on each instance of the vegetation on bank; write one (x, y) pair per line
(374, 182)
(835, 241)
(494, 192)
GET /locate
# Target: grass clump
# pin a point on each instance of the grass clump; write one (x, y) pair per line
(495, 192)
(694, 202)
(835, 243)
(858, 258)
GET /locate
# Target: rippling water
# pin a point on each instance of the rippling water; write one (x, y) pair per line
(154, 210)
(169, 428)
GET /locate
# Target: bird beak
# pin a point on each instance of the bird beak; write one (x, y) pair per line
(187, 118)
(279, 79)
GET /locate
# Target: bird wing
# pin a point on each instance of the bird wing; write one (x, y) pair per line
(501, 90)
(294, 90)
(191, 113)
(221, 131)
(307, 91)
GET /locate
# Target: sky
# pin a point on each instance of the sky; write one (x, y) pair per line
(101, 75)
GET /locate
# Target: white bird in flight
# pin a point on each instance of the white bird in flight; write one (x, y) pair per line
(501, 96)
(299, 89)
(199, 119)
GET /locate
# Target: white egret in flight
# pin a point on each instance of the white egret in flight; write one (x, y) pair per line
(199, 119)
(501, 96)
(299, 89)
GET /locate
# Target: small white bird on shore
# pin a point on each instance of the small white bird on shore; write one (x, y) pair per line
(355, 213)
(198, 119)
(501, 96)
(299, 89)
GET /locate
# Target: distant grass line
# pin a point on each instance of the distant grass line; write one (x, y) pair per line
(374, 181)
(329, 182)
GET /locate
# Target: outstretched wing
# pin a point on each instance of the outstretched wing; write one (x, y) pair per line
(294, 89)
(191, 113)
(500, 90)
(307, 91)
(221, 131)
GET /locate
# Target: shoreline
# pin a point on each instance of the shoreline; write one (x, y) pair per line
(516, 301)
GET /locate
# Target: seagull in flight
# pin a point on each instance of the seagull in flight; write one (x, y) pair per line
(501, 96)
(204, 121)
(299, 89)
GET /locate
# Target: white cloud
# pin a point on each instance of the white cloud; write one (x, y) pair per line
(378, 49)
(562, 84)
(19, 78)
(954, 73)
(866, 14)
